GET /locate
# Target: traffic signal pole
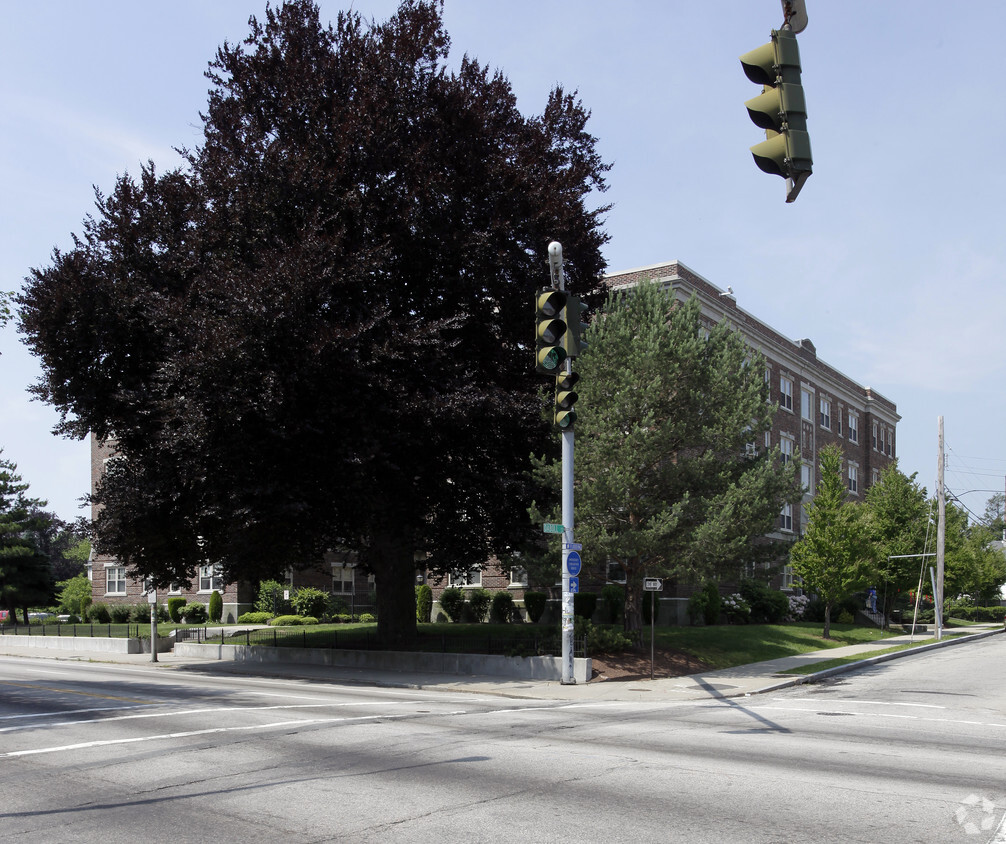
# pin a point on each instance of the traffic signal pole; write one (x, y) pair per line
(558, 281)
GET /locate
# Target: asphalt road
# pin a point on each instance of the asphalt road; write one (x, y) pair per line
(907, 751)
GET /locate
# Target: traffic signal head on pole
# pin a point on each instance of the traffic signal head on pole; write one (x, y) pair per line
(565, 398)
(780, 110)
(575, 327)
(550, 331)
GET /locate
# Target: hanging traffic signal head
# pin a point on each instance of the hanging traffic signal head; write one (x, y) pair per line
(565, 398)
(550, 331)
(780, 110)
(575, 327)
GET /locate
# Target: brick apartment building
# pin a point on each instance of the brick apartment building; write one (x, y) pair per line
(818, 405)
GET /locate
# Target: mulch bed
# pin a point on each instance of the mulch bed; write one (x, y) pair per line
(635, 665)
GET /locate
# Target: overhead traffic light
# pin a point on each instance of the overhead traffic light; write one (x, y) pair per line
(565, 398)
(550, 331)
(575, 327)
(780, 110)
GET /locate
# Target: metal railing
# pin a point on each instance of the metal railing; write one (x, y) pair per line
(111, 631)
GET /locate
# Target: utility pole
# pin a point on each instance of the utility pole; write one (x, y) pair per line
(941, 534)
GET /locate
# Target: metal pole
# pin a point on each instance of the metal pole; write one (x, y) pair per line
(941, 533)
(559, 281)
(653, 627)
(153, 632)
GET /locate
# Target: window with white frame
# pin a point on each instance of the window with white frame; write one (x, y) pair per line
(787, 577)
(210, 578)
(785, 392)
(853, 478)
(807, 405)
(472, 577)
(786, 448)
(343, 579)
(786, 517)
(518, 576)
(875, 436)
(115, 580)
(890, 443)
(806, 479)
(853, 428)
(883, 436)
(826, 414)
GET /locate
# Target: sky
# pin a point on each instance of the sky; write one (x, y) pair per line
(891, 260)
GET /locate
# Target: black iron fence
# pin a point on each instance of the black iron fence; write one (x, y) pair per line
(545, 643)
(111, 631)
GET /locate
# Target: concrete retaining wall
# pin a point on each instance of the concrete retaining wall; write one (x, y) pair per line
(20, 644)
(524, 668)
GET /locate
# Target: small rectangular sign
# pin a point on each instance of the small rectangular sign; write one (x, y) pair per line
(572, 546)
(653, 584)
(574, 585)
(551, 527)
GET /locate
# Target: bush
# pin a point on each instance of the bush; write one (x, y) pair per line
(175, 608)
(797, 607)
(216, 608)
(99, 614)
(452, 602)
(368, 618)
(534, 603)
(308, 601)
(195, 613)
(704, 605)
(336, 605)
(286, 621)
(424, 603)
(254, 618)
(846, 617)
(736, 609)
(584, 604)
(768, 606)
(140, 613)
(119, 613)
(601, 639)
(72, 592)
(502, 607)
(613, 601)
(270, 598)
(479, 601)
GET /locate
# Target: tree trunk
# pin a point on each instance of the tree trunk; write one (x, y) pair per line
(633, 624)
(827, 621)
(391, 560)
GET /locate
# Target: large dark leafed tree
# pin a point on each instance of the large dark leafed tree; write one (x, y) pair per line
(317, 333)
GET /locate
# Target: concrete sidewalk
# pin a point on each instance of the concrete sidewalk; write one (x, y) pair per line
(725, 683)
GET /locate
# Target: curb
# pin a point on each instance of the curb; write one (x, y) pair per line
(866, 662)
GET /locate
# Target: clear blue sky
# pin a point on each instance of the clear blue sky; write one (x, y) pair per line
(892, 260)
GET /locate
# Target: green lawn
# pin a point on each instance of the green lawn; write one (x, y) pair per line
(724, 646)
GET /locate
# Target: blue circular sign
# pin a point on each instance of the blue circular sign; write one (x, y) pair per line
(573, 563)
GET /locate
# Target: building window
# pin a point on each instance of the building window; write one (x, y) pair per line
(786, 518)
(805, 478)
(787, 577)
(890, 444)
(472, 577)
(115, 580)
(853, 428)
(826, 414)
(807, 405)
(616, 574)
(874, 436)
(853, 479)
(786, 392)
(211, 578)
(343, 579)
(786, 449)
(518, 577)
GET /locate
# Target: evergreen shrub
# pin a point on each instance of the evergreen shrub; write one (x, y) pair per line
(534, 603)
(502, 608)
(479, 601)
(216, 608)
(424, 603)
(175, 608)
(452, 602)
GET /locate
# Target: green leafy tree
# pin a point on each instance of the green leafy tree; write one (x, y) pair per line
(316, 333)
(993, 516)
(973, 565)
(666, 483)
(829, 556)
(898, 523)
(25, 577)
(72, 594)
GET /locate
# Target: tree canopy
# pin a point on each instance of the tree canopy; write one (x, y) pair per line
(667, 481)
(25, 577)
(315, 334)
(829, 556)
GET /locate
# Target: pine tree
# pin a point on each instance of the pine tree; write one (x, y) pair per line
(25, 578)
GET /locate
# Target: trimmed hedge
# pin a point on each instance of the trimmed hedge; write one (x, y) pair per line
(534, 603)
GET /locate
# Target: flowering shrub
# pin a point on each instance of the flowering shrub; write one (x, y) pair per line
(797, 607)
(736, 609)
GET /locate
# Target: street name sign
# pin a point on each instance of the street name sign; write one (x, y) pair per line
(551, 527)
